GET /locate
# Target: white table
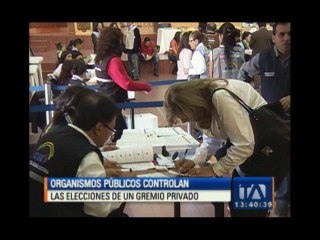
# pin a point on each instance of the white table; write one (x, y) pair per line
(37, 62)
(165, 35)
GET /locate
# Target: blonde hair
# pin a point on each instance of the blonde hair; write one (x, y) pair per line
(193, 96)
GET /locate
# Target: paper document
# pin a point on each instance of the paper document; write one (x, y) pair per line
(138, 166)
(152, 175)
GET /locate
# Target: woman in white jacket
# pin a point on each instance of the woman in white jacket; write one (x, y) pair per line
(218, 115)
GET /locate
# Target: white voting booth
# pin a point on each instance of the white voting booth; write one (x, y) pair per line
(142, 121)
(138, 146)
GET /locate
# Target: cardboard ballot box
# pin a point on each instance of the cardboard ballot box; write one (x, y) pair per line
(142, 121)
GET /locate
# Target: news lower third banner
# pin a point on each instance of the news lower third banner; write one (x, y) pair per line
(246, 192)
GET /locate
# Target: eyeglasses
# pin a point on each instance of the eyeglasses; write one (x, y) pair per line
(191, 40)
(111, 129)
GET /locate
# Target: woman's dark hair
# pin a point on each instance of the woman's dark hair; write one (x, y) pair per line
(229, 33)
(75, 54)
(245, 34)
(74, 42)
(62, 58)
(69, 99)
(92, 109)
(184, 42)
(95, 26)
(59, 45)
(177, 37)
(66, 73)
(79, 67)
(147, 39)
(109, 43)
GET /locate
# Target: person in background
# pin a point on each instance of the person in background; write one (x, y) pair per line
(60, 49)
(72, 151)
(184, 57)
(79, 73)
(173, 51)
(200, 57)
(133, 43)
(112, 77)
(228, 58)
(76, 55)
(123, 47)
(97, 27)
(260, 39)
(75, 46)
(64, 77)
(273, 65)
(202, 27)
(149, 52)
(66, 55)
(115, 25)
(212, 35)
(220, 115)
(246, 36)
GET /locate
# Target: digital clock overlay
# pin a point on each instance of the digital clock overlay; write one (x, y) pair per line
(254, 193)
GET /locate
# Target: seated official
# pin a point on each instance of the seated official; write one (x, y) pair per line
(73, 151)
(149, 52)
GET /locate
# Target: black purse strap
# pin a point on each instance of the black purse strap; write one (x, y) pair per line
(239, 100)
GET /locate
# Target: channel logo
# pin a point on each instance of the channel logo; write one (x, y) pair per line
(252, 193)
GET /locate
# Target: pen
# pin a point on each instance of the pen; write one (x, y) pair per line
(185, 153)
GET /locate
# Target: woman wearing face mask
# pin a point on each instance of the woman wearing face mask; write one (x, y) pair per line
(73, 151)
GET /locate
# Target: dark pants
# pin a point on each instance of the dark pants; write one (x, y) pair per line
(120, 126)
(173, 59)
(133, 60)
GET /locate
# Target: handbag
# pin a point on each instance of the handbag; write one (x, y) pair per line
(271, 128)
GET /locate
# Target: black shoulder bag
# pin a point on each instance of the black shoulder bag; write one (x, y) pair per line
(271, 128)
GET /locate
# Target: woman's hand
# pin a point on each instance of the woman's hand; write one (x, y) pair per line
(184, 165)
(113, 172)
(286, 102)
(128, 174)
(202, 172)
(110, 164)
